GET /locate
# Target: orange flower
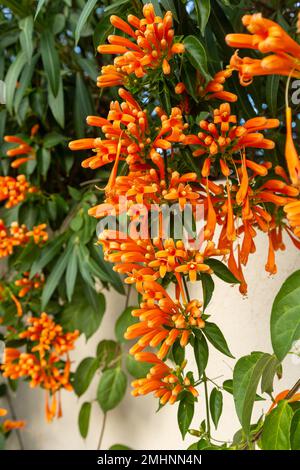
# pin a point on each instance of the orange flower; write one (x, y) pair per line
(166, 383)
(14, 190)
(23, 148)
(222, 138)
(215, 88)
(28, 284)
(281, 396)
(151, 46)
(292, 210)
(10, 425)
(3, 412)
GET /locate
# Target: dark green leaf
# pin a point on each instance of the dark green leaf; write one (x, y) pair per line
(196, 54)
(84, 418)
(208, 287)
(111, 388)
(203, 12)
(137, 369)
(276, 429)
(200, 352)
(11, 78)
(295, 431)
(26, 25)
(86, 12)
(185, 414)
(216, 338)
(216, 405)
(55, 277)
(119, 447)
(108, 354)
(84, 374)
(221, 270)
(123, 322)
(71, 273)
(285, 316)
(50, 61)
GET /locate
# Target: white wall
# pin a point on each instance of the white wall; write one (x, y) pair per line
(245, 323)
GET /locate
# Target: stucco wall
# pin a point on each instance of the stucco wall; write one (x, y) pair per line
(245, 323)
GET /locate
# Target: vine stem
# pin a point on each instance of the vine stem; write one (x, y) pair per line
(206, 404)
(105, 414)
(14, 417)
(102, 431)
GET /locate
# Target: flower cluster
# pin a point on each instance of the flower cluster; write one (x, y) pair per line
(19, 235)
(26, 284)
(46, 362)
(8, 424)
(23, 148)
(14, 190)
(249, 195)
(151, 46)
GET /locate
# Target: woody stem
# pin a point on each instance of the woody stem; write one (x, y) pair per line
(186, 289)
(293, 390)
(206, 404)
(102, 431)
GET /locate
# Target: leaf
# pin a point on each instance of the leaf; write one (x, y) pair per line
(26, 25)
(50, 61)
(295, 431)
(169, 6)
(11, 78)
(196, 55)
(39, 7)
(268, 376)
(208, 287)
(71, 274)
(86, 12)
(246, 376)
(123, 322)
(200, 352)
(178, 353)
(216, 338)
(285, 316)
(55, 277)
(84, 419)
(25, 80)
(228, 387)
(272, 86)
(103, 29)
(84, 374)
(82, 106)
(108, 354)
(216, 405)
(203, 11)
(185, 414)
(111, 388)
(47, 254)
(56, 103)
(137, 369)
(276, 429)
(119, 447)
(221, 270)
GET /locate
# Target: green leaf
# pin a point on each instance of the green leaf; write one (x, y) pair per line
(123, 322)
(108, 354)
(82, 106)
(276, 429)
(178, 353)
(272, 86)
(169, 6)
(285, 316)
(268, 376)
(200, 352)
(71, 274)
(25, 80)
(203, 12)
(50, 61)
(216, 338)
(103, 29)
(216, 405)
(111, 388)
(11, 78)
(55, 277)
(56, 103)
(208, 287)
(84, 374)
(119, 447)
(86, 12)
(39, 7)
(26, 25)
(196, 55)
(137, 369)
(221, 270)
(185, 414)
(246, 376)
(47, 255)
(295, 431)
(84, 418)
(228, 387)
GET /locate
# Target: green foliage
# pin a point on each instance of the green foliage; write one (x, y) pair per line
(111, 388)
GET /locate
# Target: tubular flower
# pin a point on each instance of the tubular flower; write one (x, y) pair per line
(222, 138)
(14, 190)
(292, 211)
(166, 383)
(215, 88)
(163, 321)
(47, 363)
(128, 137)
(26, 284)
(10, 425)
(23, 148)
(150, 46)
(267, 37)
